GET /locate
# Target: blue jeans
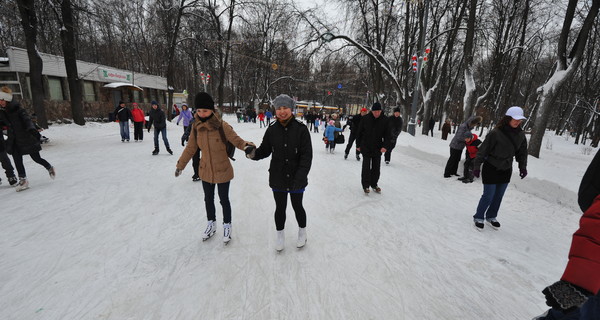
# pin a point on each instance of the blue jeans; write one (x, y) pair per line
(490, 201)
(124, 128)
(590, 310)
(163, 131)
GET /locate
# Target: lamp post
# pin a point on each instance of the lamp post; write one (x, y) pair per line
(413, 113)
(204, 78)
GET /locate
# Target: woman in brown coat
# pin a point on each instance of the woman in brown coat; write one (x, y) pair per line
(215, 168)
(446, 129)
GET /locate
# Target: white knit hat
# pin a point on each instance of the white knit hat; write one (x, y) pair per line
(5, 96)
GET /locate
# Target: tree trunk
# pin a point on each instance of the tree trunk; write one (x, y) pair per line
(67, 37)
(29, 23)
(469, 98)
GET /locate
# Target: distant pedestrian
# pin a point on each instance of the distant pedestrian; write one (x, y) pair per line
(505, 142)
(186, 116)
(158, 119)
(395, 128)
(123, 114)
(446, 128)
(288, 143)
(139, 120)
(372, 140)
(354, 122)
(431, 125)
(269, 116)
(261, 119)
(457, 144)
(23, 137)
(329, 135)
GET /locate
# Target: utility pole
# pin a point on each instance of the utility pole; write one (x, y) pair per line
(412, 122)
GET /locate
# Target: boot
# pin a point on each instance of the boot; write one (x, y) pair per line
(211, 228)
(279, 242)
(170, 151)
(226, 232)
(301, 238)
(23, 184)
(12, 180)
(155, 152)
(52, 172)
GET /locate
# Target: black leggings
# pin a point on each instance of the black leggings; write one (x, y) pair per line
(18, 158)
(280, 207)
(209, 200)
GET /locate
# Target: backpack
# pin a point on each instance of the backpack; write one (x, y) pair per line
(228, 145)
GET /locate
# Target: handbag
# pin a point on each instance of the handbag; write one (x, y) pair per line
(340, 139)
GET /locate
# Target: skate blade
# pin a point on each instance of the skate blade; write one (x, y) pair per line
(490, 225)
(478, 229)
(210, 236)
(22, 189)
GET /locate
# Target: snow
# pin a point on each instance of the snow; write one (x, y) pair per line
(117, 236)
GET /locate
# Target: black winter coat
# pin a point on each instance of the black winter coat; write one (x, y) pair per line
(291, 158)
(497, 151)
(123, 114)
(395, 128)
(23, 137)
(373, 134)
(156, 117)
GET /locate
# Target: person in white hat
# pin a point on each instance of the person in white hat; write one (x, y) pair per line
(505, 142)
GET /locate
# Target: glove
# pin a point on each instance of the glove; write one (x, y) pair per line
(177, 173)
(476, 173)
(522, 173)
(565, 296)
(250, 151)
(35, 133)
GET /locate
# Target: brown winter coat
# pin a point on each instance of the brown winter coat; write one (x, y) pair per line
(215, 166)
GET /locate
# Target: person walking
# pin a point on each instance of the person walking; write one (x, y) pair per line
(158, 119)
(576, 296)
(505, 142)
(23, 138)
(446, 128)
(329, 134)
(261, 119)
(186, 115)
(372, 140)
(269, 116)
(211, 134)
(431, 125)
(139, 120)
(288, 143)
(354, 123)
(457, 144)
(122, 115)
(9, 170)
(395, 128)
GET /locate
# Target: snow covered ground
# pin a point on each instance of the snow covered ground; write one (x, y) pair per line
(117, 236)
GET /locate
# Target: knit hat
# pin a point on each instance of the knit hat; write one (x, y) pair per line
(283, 100)
(121, 102)
(203, 100)
(515, 113)
(468, 135)
(153, 103)
(376, 106)
(397, 109)
(364, 110)
(590, 184)
(331, 122)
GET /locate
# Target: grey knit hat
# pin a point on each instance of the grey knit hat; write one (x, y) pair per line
(283, 100)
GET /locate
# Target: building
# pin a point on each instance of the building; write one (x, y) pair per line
(102, 86)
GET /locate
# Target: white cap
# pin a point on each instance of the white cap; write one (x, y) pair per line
(5, 96)
(515, 113)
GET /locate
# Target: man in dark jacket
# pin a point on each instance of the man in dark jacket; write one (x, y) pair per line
(372, 140)
(287, 140)
(354, 123)
(123, 114)
(395, 128)
(157, 117)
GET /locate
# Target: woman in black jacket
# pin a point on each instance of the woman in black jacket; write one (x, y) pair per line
(23, 137)
(289, 142)
(505, 142)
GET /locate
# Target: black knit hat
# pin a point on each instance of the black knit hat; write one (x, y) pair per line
(590, 184)
(397, 109)
(203, 100)
(376, 106)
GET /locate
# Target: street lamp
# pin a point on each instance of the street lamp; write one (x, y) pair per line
(413, 114)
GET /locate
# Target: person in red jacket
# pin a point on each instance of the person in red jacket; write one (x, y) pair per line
(139, 120)
(261, 117)
(576, 295)
(472, 142)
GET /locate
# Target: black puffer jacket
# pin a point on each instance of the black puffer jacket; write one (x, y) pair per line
(373, 134)
(22, 134)
(123, 114)
(156, 117)
(395, 127)
(291, 158)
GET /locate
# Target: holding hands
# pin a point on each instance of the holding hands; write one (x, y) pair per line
(250, 150)
(177, 173)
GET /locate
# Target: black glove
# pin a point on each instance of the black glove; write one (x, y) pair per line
(249, 150)
(565, 296)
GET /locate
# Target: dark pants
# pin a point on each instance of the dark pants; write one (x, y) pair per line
(18, 158)
(196, 161)
(6, 165)
(388, 153)
(453, 162)
(351, 140)
(468, 168)
(590, 310)
(138, 130)
(371, 166)
(209, 200)
(163, 132)
(281, 205)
